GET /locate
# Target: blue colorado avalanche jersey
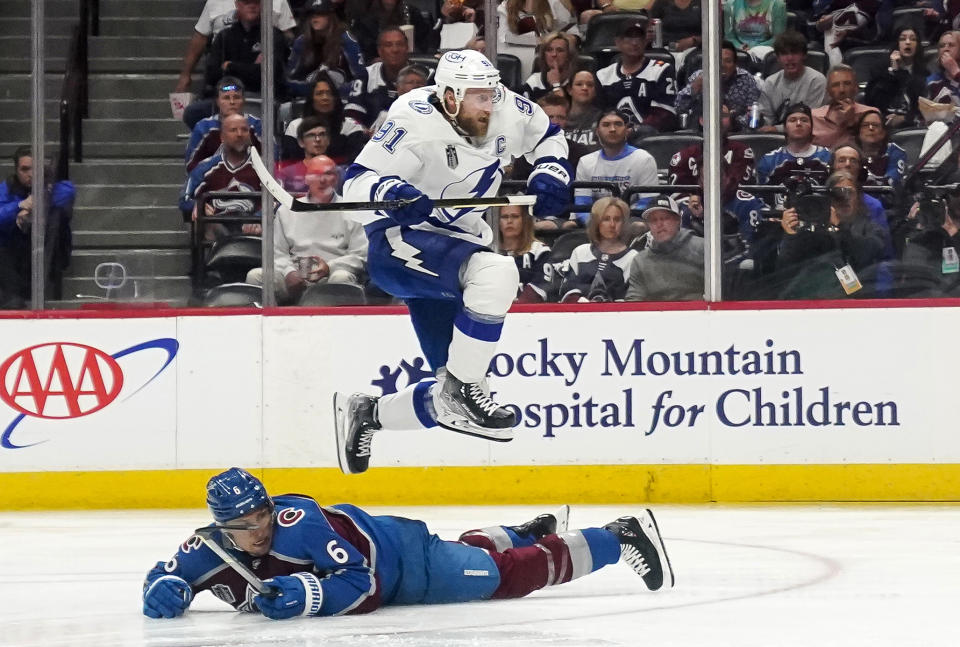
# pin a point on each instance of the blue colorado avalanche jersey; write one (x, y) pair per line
(358, 558)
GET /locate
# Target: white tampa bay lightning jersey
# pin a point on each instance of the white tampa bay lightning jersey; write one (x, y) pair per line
(419, 145)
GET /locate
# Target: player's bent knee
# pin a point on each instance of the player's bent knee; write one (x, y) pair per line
(489, 283)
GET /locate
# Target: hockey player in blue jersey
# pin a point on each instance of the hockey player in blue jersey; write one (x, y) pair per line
(449, 140)
(335, 560)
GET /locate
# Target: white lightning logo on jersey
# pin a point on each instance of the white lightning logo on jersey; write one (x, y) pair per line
(405, 251)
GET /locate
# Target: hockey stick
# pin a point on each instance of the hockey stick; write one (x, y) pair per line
(206, 536)
(281, 195)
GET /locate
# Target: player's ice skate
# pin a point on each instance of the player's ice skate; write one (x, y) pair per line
(642, 548)
(355, 423)
(466, 408)
(545, 524)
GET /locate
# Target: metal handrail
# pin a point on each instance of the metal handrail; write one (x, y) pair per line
(74, 96)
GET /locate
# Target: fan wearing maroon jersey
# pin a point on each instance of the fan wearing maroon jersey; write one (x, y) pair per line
(334, 560)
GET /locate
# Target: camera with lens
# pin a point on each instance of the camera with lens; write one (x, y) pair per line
(811, 203)
(931, 213)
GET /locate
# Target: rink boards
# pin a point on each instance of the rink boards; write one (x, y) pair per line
(616, 403)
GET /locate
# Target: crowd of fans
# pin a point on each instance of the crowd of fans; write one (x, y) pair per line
(846, 214)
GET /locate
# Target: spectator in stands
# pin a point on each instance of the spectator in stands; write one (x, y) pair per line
(521, 23)
(347, 137)
(600, 270)
(584, 111)
(932, 249)
(829, 260)
(681, 23)
(377, 15)
(369, 99)
(616, 161)
(229, 170)
(839, 19)
(313, 247)
(943, 85)
(410, 77)
(798, 157)
(794, 83)
(531, 255)
(646, 88)
(217, 15)
(313, 135)
(205, 137)
(738, 168)
(849, 159)
(324, 44)
(835, 123)
(463, 11)
(670, 266)
(556, 106)
(16, 221)
(737, 86)
(883, 161)
(897, 84)
(752, 25)
(236, 50)
(556, 58)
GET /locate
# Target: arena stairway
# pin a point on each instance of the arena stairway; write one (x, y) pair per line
(129, 180)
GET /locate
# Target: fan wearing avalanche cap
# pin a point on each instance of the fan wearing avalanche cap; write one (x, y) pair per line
(450, 140)
(334, 560)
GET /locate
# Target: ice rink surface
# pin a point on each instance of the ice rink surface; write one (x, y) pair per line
(776, 576)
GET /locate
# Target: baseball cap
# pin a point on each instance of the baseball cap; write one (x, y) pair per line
(662, 203)
(321, 6)
(637, 26)
(798, 107)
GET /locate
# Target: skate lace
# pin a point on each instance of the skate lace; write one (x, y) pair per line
(481, 399)
(364, 439)
(636, 561)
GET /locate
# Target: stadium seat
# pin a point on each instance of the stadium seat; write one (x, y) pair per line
(333, 294)
(761, 143)
(509, 66)
(912, 17)
(426, 60)
(236, 295)
(232, 257)
(564, 245)
(864, 60)
(815, 59)
(663, 147)
(602, 30)
(586, 62)
(910, 140)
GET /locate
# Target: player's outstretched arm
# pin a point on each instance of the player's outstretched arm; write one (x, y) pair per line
(165, 595)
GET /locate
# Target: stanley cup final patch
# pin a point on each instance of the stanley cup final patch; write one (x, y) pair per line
(452, 160)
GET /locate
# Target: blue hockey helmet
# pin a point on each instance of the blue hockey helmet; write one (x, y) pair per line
(234, 493)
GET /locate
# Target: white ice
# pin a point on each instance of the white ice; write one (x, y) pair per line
(776, 576)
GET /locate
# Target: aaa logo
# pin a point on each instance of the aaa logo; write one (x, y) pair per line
(60, 380)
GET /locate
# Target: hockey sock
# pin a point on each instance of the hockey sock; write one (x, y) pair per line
(555, 559)
(474, 343)
(411, 408)
(495, 539)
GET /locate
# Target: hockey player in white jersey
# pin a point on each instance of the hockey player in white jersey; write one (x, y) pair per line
(449, 140)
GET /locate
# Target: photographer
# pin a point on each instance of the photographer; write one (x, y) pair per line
(931, 251)
(16, 219)
(834, 251)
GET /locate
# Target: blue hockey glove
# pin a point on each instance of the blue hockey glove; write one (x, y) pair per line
(419, 208)
(550, 182)
(300, 595)
(168, 596)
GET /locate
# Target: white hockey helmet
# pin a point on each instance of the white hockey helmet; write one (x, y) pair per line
(463, 70)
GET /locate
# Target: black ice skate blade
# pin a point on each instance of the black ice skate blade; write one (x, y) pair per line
(663, 551)
(475, 434)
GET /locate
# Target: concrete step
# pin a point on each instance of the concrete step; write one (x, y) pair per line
(128, 171)
(22, 139)
(110, 195)
(166, 149)
(21, 8)
(17, 86)
(130, 130)
(109, 8)
(131, 239)
(19, 45)
(23, 65)
(127, 218)
(181, 26)
(129, 64)
(128, 46)
(132, 86)
(176, 289)
(19, 108)
(24, 125)
(53, 26)
(130, 108)
(138, 262)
